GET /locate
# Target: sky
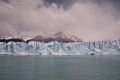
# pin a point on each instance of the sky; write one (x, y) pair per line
(87, 19)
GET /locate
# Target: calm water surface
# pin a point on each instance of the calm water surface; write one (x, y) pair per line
(59, 68)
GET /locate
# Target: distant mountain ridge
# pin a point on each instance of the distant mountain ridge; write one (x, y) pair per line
(60, 37)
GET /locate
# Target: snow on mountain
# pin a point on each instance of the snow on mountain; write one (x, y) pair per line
(68, 37)
(6, 37)
(60, 37)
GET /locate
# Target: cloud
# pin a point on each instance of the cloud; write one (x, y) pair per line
(7, 29)
(87, 20)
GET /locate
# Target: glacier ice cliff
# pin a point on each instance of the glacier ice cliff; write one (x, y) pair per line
(60, 48)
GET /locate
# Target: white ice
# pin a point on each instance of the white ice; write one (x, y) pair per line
(59, 48)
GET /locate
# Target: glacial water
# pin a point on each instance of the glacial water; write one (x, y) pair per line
(60, 67)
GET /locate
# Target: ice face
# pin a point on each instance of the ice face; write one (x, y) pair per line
(60, 48)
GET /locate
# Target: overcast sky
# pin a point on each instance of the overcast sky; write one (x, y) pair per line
(87, 19)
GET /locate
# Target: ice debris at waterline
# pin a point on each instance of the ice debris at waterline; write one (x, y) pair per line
(60, 48)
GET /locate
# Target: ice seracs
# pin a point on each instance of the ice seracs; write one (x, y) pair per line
(60, 48)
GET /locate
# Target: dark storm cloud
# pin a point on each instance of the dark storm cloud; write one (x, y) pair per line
(7, 1)
(89, 20)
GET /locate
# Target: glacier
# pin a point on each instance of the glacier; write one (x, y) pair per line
(60, 48)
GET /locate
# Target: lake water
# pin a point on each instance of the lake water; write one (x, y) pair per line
(60, 68)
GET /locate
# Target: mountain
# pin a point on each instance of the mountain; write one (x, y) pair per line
(60, 37)
(13, 39)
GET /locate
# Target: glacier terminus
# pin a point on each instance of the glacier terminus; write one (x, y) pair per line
(60, 48)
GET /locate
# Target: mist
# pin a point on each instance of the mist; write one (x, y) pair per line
(87, 20)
